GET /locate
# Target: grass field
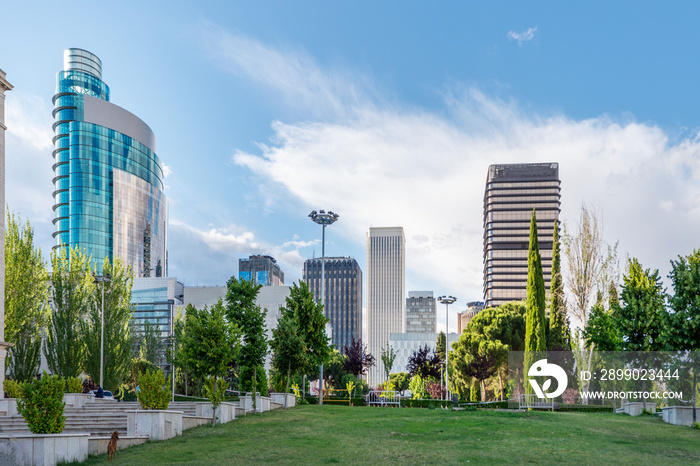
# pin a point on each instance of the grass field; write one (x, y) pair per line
(337, 434)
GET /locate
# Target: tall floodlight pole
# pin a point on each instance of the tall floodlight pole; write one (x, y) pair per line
(102, 279)
(323, 218)
(447, 300)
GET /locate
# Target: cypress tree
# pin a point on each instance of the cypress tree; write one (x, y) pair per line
(558, 328)
(535, 304)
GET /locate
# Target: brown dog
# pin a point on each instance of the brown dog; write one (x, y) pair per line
(112, 447)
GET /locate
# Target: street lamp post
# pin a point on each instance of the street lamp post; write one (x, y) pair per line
(323, 218)
(102, 279)
(447, 300)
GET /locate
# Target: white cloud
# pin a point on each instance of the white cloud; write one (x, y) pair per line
(425, 171)
(210, 256)
(28, 161)
(522, 36)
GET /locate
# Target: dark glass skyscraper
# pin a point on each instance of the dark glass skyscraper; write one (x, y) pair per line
(108, 184)
(512, 192)
(343, 301)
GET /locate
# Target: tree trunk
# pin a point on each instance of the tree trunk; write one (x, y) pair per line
(500, 382)
(289, 373)
(694, 388)
(483, 391)
(303, 387)
(213, 415)
(255, 386)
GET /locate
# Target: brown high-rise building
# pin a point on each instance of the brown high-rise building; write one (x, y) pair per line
(512, 192)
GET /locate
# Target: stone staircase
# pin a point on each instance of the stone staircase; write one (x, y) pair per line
(99, 418)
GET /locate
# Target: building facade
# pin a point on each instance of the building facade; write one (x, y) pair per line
(512, 192)
(466, 316)
(108, 184)
(421, 316)
(4, 86)
(386, 293)
(261, 270)
(156, 300)
(343, 300)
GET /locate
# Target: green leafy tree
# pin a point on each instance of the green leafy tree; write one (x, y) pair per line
(117, 331)
(400, 380)
(535, 322)
(154, 392)
(388, 357)
(334, 368)
(684, 323)
(311, 322)
(41, 404)
(558, 322)
(602, 330)
(176, 356)
(288, 349)
(214, 389)
(250, 319)
(478, 358)
(26, 299)
(683, 331)
(642, 318)
(72, 293)
(210, 342)
(535, 302)
(504, 324)
(441, 346)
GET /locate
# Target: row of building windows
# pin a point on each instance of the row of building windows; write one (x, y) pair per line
(524, 184)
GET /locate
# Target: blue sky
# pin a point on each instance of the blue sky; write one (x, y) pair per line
(388, 113)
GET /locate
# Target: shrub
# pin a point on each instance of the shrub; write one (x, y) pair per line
(41, 404)
(11, 388)
(74, 385)
(436, 390)
(570, 396)
(154, 391)
(417, 387)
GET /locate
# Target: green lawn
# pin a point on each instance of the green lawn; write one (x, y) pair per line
(363, 435)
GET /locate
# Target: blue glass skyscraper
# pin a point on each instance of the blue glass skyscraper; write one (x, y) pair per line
(108, 184)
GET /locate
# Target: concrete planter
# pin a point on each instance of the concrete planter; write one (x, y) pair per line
(225, 412)
(262, 403)
(157, 424)
(279, 398)
(77, 400)
(43, 449)
(635, 408)
(9, 406)
(680, 415)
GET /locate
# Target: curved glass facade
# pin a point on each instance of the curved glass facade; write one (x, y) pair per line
(108, 185)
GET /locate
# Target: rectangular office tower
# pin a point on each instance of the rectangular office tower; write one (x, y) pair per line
(261, 270)
(343, 300)
(386, 293)
(512, 192)
(421, 316)
(108, 184)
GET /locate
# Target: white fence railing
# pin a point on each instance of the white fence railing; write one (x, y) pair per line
(383, 398)
(530, 400)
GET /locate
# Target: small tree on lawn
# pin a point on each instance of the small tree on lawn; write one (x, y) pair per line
(359, 360)
(209, 343)
(288, 349)
(214, 389)
(388, 357)
(424, 362)
(250, 318)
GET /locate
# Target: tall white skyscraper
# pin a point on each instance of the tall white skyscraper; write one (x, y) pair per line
(386, 293)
